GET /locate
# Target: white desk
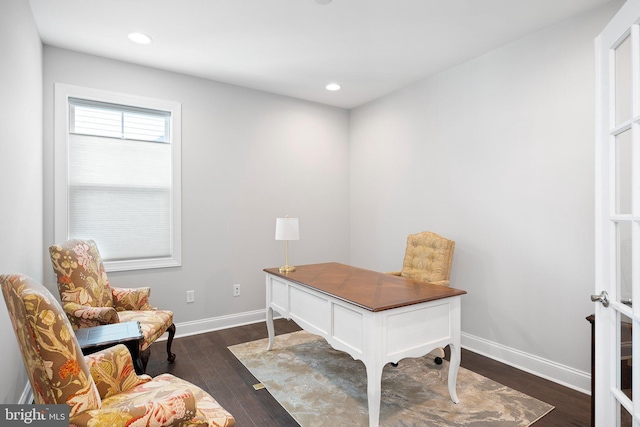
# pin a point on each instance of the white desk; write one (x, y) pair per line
(374, 317)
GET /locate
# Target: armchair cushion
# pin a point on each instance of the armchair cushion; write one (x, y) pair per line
(157, 404)
(153, 323)
(208, 410)
(205, 411)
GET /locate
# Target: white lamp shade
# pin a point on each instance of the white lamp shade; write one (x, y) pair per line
(287, 229)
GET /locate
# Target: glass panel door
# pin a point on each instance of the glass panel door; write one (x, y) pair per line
(618, 219)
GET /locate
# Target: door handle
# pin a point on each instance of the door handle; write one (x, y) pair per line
(603, 298)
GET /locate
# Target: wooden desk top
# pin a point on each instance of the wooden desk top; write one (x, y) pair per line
(367, 289)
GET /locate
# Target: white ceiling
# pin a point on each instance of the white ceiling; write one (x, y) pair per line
(296, 47)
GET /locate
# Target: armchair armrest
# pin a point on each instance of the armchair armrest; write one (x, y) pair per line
(112, 371)
(125, 299)
(394, 273)
(84, 316)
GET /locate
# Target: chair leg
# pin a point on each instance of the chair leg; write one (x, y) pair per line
(438, 354)
(172, 331)
(144, 358)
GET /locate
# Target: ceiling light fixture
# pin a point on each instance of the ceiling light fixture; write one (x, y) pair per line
(139, 38)
(323, 1)
(333, 87)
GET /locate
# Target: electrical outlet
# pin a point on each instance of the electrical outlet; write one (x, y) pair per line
(191, 296)
(236, 290)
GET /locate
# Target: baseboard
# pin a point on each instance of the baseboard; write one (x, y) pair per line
(27, 395)
(547, 369)
(195, 327)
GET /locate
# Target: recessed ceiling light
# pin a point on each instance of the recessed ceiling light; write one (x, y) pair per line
(323, 1)
(139, 38)
(333, 87)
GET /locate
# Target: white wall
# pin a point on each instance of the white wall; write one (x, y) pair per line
(20, 171)
(247, 158)
(498, 155)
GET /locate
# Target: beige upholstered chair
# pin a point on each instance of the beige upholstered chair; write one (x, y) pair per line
(103, 388)
(428, 258)
(89, 300)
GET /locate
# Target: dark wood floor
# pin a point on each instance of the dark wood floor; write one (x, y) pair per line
(204, 360)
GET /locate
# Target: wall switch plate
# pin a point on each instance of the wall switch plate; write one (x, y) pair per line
(191, 296)
(236, 290)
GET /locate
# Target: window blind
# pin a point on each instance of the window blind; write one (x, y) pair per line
(119, 179)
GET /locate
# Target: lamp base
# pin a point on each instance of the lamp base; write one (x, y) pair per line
(287, 269)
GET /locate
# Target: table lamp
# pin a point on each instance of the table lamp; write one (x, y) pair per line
(287, 229)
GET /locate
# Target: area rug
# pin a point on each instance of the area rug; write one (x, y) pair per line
(320, 386)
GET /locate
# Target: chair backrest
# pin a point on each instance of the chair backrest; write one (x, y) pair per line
(428, 258)
(52, 357)
(80, 273)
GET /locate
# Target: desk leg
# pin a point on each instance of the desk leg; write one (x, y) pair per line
(374, 388)
(454, 365)
(270, 329)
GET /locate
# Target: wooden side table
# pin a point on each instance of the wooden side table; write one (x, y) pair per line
(98, 338)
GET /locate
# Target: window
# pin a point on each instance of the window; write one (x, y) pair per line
(117, 170)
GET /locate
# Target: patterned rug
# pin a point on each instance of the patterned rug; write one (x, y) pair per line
(320, 386)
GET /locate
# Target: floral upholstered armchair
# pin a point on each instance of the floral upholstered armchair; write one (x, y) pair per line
(100, 389)
(428, 258)
(89, 300)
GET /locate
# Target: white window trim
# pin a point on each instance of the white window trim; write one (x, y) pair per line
(61, 185)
